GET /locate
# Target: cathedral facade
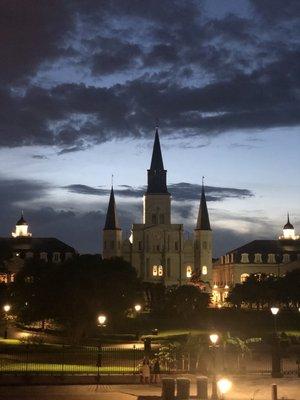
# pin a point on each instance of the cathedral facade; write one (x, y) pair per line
(157, 248)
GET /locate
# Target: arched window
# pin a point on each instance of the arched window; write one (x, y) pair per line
(160, 270)
(204, 270)
(257, 258)
(189, 271)
(154, 270)
(286, 258)
(271, 258)
(244, 277)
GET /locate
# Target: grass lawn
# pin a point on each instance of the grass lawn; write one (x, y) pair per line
(65, 368)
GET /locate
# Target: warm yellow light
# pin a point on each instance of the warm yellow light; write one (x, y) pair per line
(215, 286)
(226, 287)
(102, 320)
(224, 385)
(6, 308)
(219, 305)
(214, 337)
(137, 307)
(274, 310)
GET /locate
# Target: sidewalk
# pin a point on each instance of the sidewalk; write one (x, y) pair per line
(257, 388)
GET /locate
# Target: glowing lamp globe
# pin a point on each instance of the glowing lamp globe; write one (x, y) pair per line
(101, 320)
(6, 308)
(214, 337)
(137, 307)
(274, 310)
(224, 385)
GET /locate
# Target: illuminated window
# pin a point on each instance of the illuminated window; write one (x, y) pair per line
(154, 270)
(160, 270)
(204, 270)
(244, 277)
(188, 271)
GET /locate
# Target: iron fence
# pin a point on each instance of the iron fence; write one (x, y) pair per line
(60, 360)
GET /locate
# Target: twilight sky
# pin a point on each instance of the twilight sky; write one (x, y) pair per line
(83, 82)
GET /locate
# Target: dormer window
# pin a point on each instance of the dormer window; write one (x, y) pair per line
(271, 258)
(227, 259)
(257, 258)
(245, 258)
(286, 258)
(232, 258)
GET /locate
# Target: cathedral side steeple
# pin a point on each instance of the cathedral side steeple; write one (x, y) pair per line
(203, 217)
(112, 233)
(203, 240)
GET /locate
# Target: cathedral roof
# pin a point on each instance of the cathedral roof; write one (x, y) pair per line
(157, 161)
(111, 222)
(203, 218)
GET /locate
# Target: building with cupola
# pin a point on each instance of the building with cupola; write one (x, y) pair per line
(269, 257)
(156, 247)
(22, 245)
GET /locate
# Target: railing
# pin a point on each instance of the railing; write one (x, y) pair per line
(60, 360)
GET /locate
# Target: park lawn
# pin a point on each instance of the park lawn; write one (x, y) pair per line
(65, 368)
(176, 334)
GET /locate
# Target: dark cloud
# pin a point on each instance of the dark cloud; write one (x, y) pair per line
(19, 190)
(277, 10)
(199, 75)
(31, 33)
(182, 191)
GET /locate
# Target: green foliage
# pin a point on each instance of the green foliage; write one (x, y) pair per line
(75, 292)
(261, 291)
(186, 301)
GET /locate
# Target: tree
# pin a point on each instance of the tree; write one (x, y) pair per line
(75, 292)
(186, 301)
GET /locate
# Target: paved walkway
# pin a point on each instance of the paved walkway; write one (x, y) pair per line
(243, 389)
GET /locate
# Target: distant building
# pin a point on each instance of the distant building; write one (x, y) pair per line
(21, 246)
(269, 257)
(157, 248)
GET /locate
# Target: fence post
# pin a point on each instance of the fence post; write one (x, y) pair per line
(202, 387)
(183, 388)
(274, 392)
(134, 359)
(168, 389)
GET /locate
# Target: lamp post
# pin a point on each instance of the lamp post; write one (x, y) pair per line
(214, 338)
(102, 324)
(6, 309)
(224, 385)
(276, 360)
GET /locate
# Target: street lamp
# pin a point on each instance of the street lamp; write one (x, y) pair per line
(276, 359)
(137, 308)
(6, 309)
(101, 323)
(274, 311)
(101, 320)
(224, 385)
(214, 338)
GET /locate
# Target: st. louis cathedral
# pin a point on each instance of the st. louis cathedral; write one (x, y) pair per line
(157, 247)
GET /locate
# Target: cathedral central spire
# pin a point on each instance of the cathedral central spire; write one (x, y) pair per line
(157, 161)
(157, 175)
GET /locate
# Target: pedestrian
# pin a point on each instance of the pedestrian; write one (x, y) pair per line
(156, 371)
(145, 372)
